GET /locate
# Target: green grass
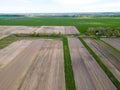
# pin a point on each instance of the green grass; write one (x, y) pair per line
(69, 77)
(81, 23)
(105, 69)
(8, 40)
(111, 47)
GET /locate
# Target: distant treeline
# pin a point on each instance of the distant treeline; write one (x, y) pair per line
(11, 15)
(77, 15)
(110, 14)
(104, 14)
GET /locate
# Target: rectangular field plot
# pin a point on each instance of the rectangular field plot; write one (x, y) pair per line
(87, 73)
(24, 29)
(58, 29)
(115, 42)
(108, 55)
(38, 66)
(7, 30)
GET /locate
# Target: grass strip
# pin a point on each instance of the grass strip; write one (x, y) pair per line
(69, 76)
(110, 46)
(4, 42)
(105, 69)
(7, 40)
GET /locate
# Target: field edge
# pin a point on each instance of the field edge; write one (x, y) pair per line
(101, 64)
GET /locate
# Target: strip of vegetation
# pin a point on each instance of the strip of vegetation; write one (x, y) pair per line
(105, 69)
(14, 37)
(111, 46)
(69, 76)
(104, 32)
(7, 40)
(35, 34)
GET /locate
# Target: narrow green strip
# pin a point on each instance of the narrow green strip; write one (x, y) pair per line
(110, 46)
(7, 40)
(69, 76)
(105, 69)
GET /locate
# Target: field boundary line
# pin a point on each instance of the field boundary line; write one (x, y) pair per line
(102, 65)
(110, 46)
(69, 76)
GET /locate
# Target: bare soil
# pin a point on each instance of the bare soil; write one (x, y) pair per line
(115, 42)
(108, 56)
(9, 53)
(87, 73)
(40, 66)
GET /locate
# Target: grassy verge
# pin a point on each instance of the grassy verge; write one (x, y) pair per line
(7, 40)
(54, 35)
(105, 69)
(14, 37)
(69, 77)
(110, 46)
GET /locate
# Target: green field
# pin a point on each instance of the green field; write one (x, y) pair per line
(82, 23)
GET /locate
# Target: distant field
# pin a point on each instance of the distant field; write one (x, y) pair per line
(81, 23)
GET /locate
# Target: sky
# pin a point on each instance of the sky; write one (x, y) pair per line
(58, 6)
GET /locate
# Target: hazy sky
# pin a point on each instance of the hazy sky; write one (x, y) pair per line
(58, 6)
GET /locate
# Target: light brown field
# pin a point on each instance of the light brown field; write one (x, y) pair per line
(9, 53)
(58, 29)
(109, 56)
(40, 66)
(115, 42)
(71, 30)
(25, 29)
(87, 73)
(7, 30)
(51, 29)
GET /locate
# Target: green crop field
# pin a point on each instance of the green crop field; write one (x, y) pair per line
(81, 23)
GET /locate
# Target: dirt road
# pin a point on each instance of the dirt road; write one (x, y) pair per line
(88, 74)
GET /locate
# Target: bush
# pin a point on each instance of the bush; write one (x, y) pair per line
(35, 34)
(101, 31)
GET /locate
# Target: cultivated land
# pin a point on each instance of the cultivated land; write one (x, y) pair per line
(38, 67)
(48, 64)
(108, 55)
(57, 30)
(115, 42)
(88, 75)
(9, 53)
(7, 30)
